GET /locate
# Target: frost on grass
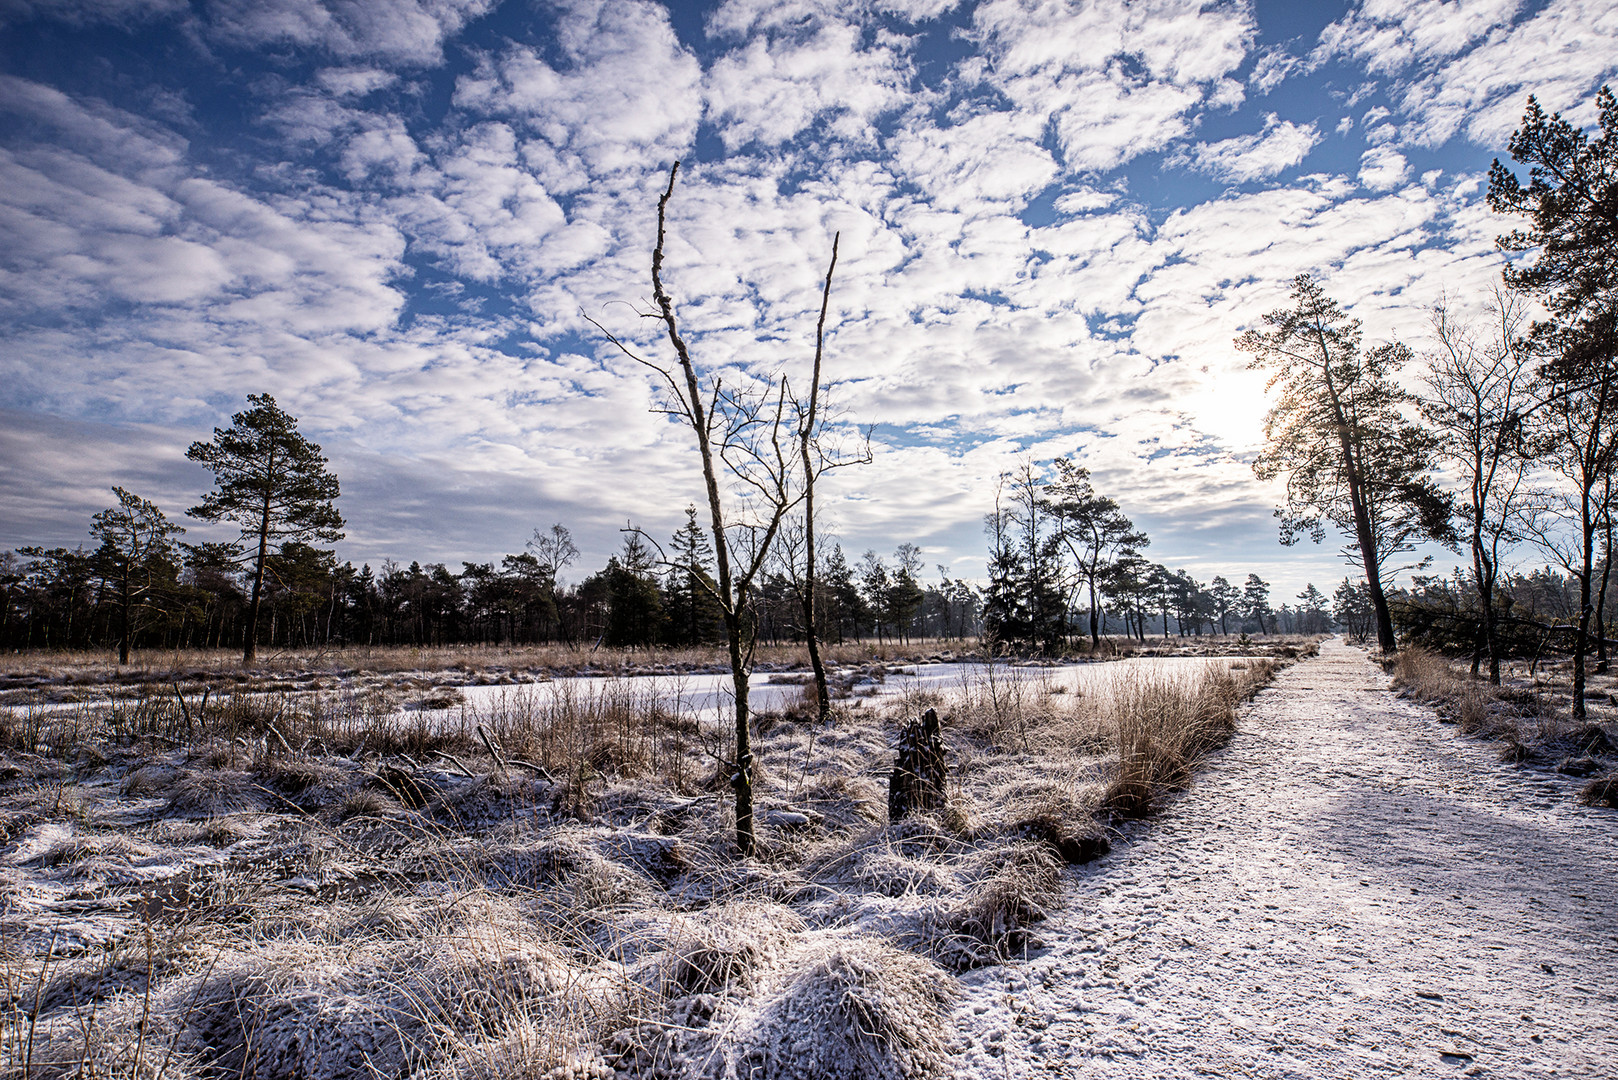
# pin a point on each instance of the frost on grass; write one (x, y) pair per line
(299, 893)
(857, 1008)
(1529, 714)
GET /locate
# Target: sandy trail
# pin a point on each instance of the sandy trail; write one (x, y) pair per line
(1349, 890)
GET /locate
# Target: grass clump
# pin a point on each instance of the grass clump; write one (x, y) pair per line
(1524, 716)
(857, 1009)
(1601, 791)
(1165, 727)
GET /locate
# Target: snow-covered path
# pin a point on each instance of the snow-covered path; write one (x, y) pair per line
(1349, 890)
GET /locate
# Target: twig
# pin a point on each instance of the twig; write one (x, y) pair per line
(185, 712)
(468, 773)
(280, 739)
(494, 752)
(539, 769)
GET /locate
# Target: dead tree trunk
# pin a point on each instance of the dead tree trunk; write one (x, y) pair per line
(917, 783)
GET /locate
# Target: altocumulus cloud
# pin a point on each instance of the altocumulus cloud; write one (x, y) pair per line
(396, 215)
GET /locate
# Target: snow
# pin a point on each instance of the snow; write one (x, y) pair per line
(1349, 890)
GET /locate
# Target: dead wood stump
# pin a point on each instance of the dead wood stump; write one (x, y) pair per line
(917, 783)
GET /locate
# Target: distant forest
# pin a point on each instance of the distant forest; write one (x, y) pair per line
(196, 596)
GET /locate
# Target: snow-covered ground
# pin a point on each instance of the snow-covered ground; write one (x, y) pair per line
(1349, 890)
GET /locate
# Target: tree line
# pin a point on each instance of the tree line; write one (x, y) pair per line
(1066, 569)
(140, 588)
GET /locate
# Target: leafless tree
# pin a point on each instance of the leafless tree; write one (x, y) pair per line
(743, 437)
(1577, 439)
(818, 457)
(1479, 393)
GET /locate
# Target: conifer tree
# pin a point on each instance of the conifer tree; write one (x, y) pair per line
(1338, 435)
(273, 483)
(135, 537)
(694, 614)
(1093, 528)
(1571, 202)
(1256, 601)
(1226, 597)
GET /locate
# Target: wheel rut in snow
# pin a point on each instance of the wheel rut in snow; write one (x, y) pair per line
(1349, 889)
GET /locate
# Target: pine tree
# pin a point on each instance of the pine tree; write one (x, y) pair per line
(1256, 601)
(1093, 528)
(273, 483)
(1351, 606)
(694, 614)
(1312, 610)
(1226, 597)
(634, 608)
(137, 547)
(1571, 201)
(1024, 605)
(1338, 435)
(842, 596)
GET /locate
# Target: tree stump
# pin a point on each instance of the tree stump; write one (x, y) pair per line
(917, 783)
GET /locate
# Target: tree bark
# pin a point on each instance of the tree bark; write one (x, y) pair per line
(123, 616)
(250, 646)
(741, 780)
(805, 437)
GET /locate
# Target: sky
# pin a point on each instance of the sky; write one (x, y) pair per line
(399, 217)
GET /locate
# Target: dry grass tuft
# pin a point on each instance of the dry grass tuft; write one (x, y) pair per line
(1164, 727)
(213, 793)
(729, 944)
(857, 1009)
(1019, 883)
(1602, 791)
(1525, 720)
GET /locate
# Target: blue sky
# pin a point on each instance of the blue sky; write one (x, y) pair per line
(394, 215)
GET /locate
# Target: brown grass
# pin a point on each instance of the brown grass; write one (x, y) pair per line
(1165, 727)
(476, 662)
(325, 877)
(1526, 717)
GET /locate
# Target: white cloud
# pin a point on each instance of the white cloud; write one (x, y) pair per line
(739, 18)
(1116, 80)
(772, 88)
(1383, 168)
(1272, 69)
(399, 31)
(1389, 35)
(629, 100)
(355, 81)
(1468, 67)
(983, 163)
(1245, 158)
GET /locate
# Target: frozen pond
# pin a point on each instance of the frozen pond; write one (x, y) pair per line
(708, 696)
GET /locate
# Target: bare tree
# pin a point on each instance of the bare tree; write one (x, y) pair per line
(818, 457)
(1578, 439)
(1479, 393)
(742, 433)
